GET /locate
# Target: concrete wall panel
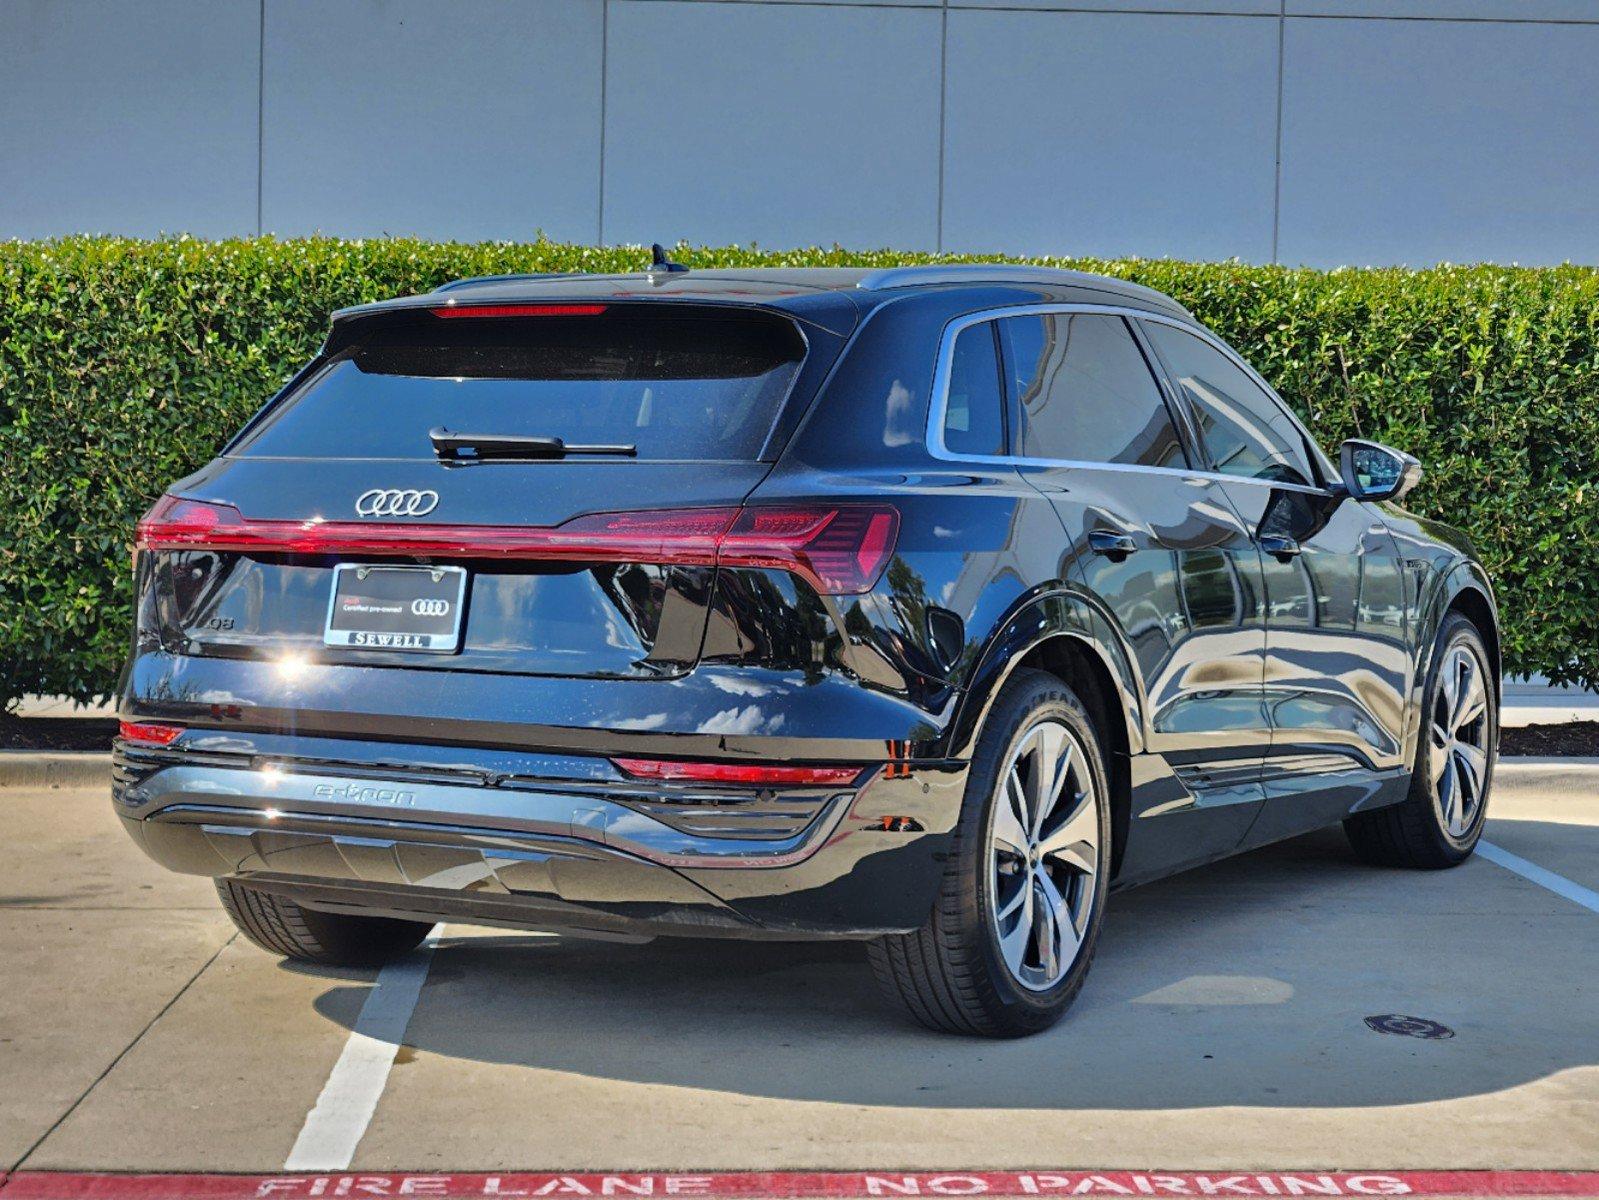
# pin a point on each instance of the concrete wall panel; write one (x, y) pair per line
(1476, 10)
(1091, 133)
(1407, 130)
(1259, 7)
(1419, 141)
(419, 118)
(136, 119)
(777, 123)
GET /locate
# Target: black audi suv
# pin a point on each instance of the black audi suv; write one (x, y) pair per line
(925, 606)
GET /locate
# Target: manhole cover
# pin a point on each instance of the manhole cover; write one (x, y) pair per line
(1416, 1027)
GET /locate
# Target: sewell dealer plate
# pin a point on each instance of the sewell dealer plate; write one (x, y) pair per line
(396, 608)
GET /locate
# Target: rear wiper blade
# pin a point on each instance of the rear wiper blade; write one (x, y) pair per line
(480, 446)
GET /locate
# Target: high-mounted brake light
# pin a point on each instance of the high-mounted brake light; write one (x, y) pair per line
(147, 733)
(837, 549)
(518, 310)
(755, 774)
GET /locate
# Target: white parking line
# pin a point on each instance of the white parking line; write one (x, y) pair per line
(1557, 884)
(335, 1125)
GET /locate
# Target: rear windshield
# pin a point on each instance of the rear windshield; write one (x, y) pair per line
(690, 383)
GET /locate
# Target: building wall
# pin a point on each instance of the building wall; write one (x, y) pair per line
(1314, 131)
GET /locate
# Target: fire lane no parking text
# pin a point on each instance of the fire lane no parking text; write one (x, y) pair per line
(46, 1185)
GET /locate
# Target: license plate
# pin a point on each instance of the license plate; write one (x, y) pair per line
(396, 608)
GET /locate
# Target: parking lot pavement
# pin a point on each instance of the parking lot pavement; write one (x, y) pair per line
(1223, 1028)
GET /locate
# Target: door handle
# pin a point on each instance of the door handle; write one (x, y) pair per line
(1283, 549)
(1112, 544)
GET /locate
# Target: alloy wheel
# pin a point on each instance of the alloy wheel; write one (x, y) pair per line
(1044, 839)
(1459, 732)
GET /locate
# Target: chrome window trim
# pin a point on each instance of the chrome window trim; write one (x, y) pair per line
(938, 402)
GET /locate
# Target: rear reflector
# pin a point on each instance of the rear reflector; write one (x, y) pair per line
(153, 735)
(519, 310)
(839, 550)
(755, 774)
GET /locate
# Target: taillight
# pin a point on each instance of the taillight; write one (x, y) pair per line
(173, 522)
(679, 536)
(838, 549)
(147, 733)
(753, 774)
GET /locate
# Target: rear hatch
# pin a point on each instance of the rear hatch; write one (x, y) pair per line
(434, 492)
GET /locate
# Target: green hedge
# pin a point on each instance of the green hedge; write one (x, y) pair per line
(124, 364)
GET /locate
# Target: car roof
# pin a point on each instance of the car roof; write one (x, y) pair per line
(834, 297)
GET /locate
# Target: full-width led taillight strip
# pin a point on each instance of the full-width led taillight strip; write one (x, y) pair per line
(838, 549)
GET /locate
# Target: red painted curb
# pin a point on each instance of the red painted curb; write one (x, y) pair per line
(865, 1185)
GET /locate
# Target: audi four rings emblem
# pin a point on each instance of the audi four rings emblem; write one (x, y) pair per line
(396, 502)
(425, 607)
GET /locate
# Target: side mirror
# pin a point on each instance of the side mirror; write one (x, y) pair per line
(1376, 472)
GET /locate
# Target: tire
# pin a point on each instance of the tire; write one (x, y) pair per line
(280, 926)
(1428, 829)
(957, 974)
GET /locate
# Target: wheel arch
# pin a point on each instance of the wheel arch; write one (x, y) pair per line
(1463, 588)
(1062, 634)
(1476, 605)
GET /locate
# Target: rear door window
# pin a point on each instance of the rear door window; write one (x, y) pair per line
(1085, 392)
(689, 383)
(974, 420)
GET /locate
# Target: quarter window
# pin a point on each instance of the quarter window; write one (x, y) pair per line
(974, 420)
(1085, 392)
(1244, 429)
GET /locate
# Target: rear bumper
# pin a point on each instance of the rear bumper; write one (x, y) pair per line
(556, 848)
(714, 711)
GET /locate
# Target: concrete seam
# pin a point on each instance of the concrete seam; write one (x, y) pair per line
(605, 45)
(260, 120)
(1277, 169)
(125, 1051)
(943, 107)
